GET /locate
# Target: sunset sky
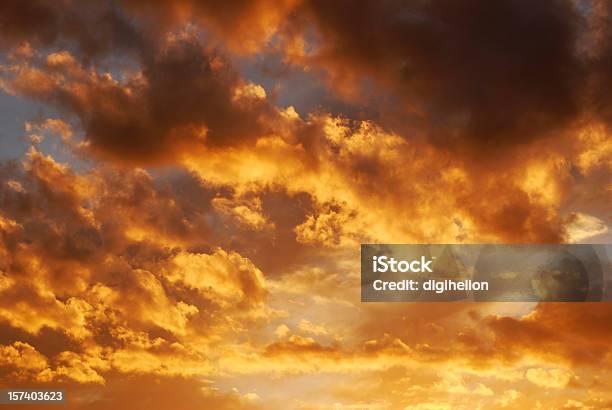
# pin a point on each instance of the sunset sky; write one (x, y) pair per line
(184, 187)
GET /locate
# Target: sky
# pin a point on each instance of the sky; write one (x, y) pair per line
(184, 186)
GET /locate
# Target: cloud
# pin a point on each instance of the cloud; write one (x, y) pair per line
(582, 226)
(457, 74)
(429, 406)
(247, 212)
(552, 378)
(136, 393)
(225, 272)
(307, 326)
(131, 304)
(551, 331)
(227, 278)
(245, 27)
(22, 357)
(40, 24)
(180, 99)
(227, 129)
(508, 397)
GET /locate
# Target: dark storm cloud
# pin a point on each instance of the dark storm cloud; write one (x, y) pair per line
(473, 76)
(96, 29)
(488, 72)
(601, 60)
(182, 98)
(185, 93)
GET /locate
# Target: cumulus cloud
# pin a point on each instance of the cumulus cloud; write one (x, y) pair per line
(200, 236)
(180, 98)
(553, 378)
(131, 304)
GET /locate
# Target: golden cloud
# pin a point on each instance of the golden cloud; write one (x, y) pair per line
(178, 228)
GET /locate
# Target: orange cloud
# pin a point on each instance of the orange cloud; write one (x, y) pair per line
(226, 271)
